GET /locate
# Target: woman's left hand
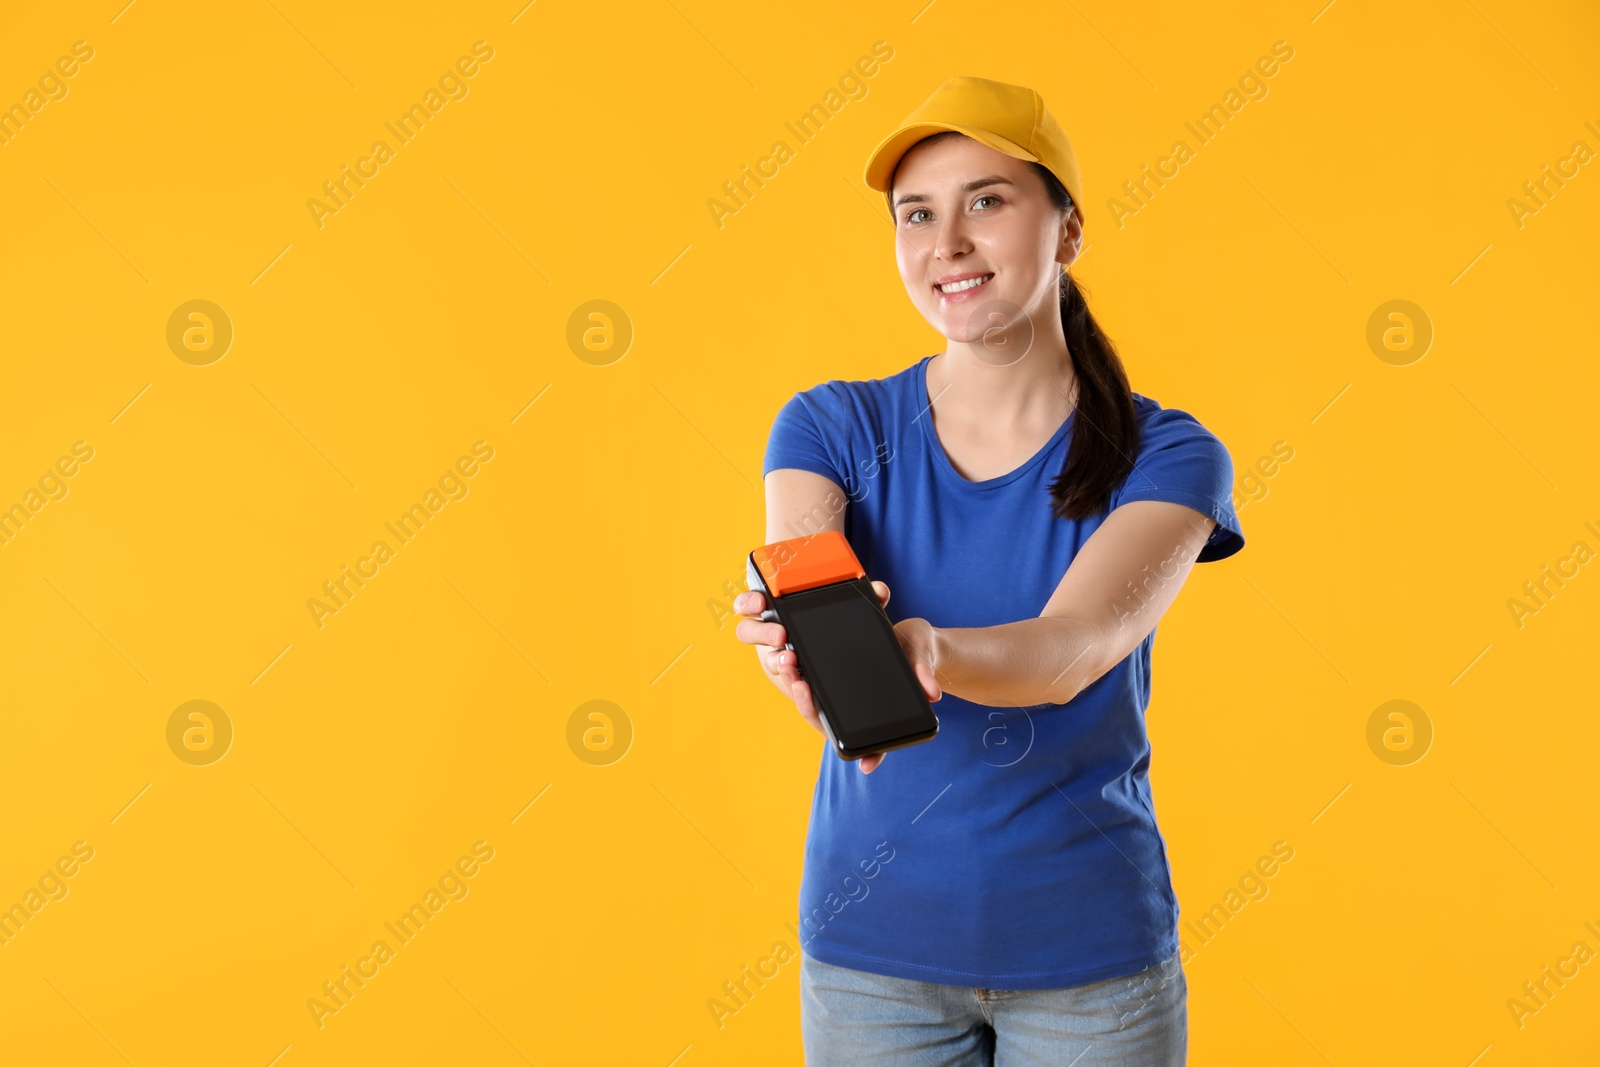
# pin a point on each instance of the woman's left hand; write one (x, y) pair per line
(916, 640)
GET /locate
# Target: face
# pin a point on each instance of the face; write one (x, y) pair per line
(964, 211)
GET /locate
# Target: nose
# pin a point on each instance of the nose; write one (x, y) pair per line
(951, 240)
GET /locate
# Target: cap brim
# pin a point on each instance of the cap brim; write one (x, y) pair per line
(881, 164)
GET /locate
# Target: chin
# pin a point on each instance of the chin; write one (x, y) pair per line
(961, 333)
(969, 322)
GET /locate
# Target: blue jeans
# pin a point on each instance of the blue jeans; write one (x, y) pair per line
(850, 1017)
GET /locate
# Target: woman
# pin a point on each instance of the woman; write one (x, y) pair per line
(1001, 893)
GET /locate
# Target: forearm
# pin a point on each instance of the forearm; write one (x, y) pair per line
(1049, 659)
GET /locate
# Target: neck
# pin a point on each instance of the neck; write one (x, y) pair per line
(982, 382)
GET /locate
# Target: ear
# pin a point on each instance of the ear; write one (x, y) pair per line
(1071, 243)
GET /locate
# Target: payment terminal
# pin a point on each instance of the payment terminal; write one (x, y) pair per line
(866, 694)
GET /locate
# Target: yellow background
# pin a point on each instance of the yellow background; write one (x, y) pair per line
(588, 557)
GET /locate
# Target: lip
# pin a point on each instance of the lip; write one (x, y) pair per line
(965, 294)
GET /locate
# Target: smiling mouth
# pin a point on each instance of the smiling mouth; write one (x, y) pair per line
(964, 285)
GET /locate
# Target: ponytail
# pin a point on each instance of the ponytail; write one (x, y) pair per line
(1105, 434)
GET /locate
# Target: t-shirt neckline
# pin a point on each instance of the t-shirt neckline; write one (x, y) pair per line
(942, 460)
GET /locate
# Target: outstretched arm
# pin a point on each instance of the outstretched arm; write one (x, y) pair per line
(1119, 585)
(802, 502)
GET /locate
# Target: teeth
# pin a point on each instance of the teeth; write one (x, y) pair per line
(970, 283)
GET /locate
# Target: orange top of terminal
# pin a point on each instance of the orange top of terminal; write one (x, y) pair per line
(807, 562)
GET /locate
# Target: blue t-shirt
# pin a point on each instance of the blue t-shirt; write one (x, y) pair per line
(1018, 849)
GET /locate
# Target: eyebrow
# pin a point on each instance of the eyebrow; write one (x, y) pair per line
(920, 198)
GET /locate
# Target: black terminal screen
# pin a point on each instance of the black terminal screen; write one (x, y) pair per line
(853, 662)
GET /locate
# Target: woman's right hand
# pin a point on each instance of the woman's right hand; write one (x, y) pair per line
(780, 665)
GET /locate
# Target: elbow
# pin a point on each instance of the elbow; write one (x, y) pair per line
(1073, 683)
(1082, 650)
(1068, 684)
(1063, 691)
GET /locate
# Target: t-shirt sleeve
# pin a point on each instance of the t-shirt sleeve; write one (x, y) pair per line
(1182, 462)
(797, 441)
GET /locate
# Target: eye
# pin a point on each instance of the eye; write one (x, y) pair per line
(914, 211)
(986, 196)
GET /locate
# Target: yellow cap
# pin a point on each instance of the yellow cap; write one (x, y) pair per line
(1008, 118)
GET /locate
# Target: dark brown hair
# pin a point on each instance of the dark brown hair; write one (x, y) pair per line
(1105, 434)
